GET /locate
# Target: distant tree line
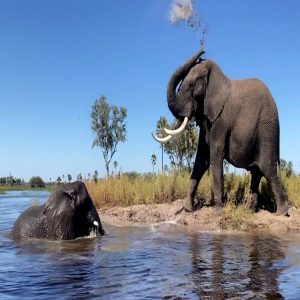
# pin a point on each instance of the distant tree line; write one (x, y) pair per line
(11, 181)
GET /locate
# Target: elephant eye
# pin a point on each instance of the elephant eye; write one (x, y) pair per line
(191, 84)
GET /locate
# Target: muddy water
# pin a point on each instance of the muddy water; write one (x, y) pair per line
(137, 263)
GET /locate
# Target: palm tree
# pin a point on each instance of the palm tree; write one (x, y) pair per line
(153, 161)
(95, 177)
(160, 125)
(115, 166)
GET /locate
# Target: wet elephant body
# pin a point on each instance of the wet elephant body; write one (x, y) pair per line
(69, 213)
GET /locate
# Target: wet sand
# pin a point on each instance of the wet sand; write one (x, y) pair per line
(204, 219)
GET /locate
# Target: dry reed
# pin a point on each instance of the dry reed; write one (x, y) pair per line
(163, 188)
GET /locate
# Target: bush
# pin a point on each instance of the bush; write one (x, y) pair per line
(37, 182)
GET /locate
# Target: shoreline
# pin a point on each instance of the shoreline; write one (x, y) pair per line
(208, 219)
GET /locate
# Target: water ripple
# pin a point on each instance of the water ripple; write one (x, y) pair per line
(137, 263)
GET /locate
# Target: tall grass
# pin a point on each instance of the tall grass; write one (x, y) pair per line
(126, 190)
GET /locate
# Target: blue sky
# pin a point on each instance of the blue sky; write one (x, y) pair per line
(58, 57)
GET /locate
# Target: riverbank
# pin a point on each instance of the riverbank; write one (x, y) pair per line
(230, 218)
(166, 188)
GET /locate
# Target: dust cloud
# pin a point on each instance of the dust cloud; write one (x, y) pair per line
(183, 13)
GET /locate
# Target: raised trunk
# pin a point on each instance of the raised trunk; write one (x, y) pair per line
(178, 75)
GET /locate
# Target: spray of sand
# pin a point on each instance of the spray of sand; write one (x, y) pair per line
(183, 12)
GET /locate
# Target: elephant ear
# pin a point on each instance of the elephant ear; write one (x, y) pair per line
(217, 92)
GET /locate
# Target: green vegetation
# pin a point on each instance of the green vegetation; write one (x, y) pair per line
(109, 127)
(153, 162)
(182, 148)
(11, 181)
(133, 188)
(37, 182)
(95, 176)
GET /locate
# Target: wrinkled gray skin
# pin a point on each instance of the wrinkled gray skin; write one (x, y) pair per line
(69, 213)
(238, 122)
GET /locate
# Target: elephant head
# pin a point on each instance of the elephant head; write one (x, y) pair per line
(203, 91)
(70, 213)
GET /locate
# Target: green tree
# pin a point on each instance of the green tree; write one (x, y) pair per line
(181, 148)
(190, 142)
(69, 177)
(58, 180)
(95, 176)
(287, 167)
(109, 127)
(115, 166)
(160, 125)
(153, 161)
(79, 177)
(37, 182)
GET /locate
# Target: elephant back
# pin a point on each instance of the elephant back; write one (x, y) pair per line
(30, 224)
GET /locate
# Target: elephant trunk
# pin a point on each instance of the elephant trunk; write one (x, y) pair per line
(173, 102)
(178, 75)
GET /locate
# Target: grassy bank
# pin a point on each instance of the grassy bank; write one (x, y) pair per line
(4, 188)
(125, 191)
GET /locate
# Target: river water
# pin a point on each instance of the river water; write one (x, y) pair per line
(154, 263)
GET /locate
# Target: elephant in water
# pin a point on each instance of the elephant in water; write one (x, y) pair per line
(238, 122)
(69, 213)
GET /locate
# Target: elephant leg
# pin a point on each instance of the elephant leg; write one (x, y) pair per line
(218, 136)
(255, 180)
(280, 197)
(217, 181)
(277, 190)
(217, 156)
(201, 165)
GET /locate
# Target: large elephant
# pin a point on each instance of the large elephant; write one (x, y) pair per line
(238, 122)
(69, 213)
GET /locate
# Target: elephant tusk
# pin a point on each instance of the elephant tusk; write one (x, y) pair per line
(161, 140)
(179, 129)
(96, 223)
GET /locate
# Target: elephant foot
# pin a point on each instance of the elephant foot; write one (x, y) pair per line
(283, 209)
(218, 203)
(188, 206)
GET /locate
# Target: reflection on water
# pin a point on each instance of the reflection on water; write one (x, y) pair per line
(137, 263)
(243, 266)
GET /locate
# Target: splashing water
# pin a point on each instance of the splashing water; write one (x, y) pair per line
(93, 233)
